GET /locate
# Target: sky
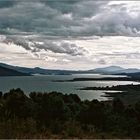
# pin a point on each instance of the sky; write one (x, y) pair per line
(70, 34)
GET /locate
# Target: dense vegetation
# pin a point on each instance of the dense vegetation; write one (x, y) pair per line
(54, 115)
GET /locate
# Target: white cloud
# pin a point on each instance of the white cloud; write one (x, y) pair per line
(100, 52)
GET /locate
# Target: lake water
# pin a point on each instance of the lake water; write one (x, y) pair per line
(46, 84)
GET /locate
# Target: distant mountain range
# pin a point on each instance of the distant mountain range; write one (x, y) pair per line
(110, 69)
(9, 70)
(115, 70)
(37, 70)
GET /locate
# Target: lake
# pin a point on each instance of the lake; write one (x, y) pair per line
(46, 84)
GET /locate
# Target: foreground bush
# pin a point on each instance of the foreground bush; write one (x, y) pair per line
(54, 115)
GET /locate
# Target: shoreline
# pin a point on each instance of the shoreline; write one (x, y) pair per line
(101, 79)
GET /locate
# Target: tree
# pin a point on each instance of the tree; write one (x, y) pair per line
(118, 105)
(0, 94)
(16, 102)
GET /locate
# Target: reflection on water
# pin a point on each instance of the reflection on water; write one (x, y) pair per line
(45, 84)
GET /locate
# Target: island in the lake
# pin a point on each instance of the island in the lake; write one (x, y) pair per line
(122, 78)
(116, 88)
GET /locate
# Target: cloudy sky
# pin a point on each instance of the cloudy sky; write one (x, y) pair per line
(70, 34)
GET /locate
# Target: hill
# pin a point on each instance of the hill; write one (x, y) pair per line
(38, 70)
(10, 72)
(107, 70)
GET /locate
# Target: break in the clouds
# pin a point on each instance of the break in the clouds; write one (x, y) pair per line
(79, 33)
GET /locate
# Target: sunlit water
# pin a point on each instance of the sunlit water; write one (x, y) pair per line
(46, 84)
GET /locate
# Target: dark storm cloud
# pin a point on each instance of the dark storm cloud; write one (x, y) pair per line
(50, 17)
(67, 18)
(65, 6)
(7, 3)
(78, 8)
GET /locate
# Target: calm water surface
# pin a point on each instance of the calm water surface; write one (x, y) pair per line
(45, 84)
